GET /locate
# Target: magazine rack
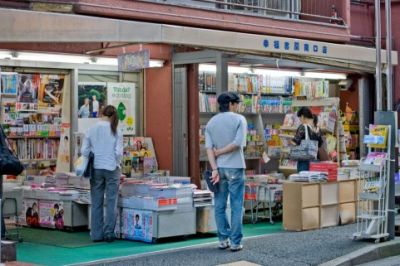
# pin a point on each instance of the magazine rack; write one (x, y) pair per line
(373, 189)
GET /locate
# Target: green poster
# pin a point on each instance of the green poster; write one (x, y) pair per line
(123, 97)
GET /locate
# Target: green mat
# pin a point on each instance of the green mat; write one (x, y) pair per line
(56, 238)
(77, 247)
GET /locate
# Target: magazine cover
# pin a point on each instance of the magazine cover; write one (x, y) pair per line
(51, 92)
(9, 83)
(28, 86)
(51, 214)
(379, 131)
(30, 215)
(137, 225)
(92, 97)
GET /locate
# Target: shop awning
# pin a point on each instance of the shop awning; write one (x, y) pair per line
(51, 27)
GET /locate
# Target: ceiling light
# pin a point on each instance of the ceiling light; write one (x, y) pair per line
(67, 58)
(274, 72)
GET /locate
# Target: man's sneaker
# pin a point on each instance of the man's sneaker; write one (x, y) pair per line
(235, 248)
(224, 244)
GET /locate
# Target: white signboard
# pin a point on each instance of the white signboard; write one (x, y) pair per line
(123, 97)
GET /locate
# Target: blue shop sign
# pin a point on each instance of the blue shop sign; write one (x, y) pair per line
(285, 45)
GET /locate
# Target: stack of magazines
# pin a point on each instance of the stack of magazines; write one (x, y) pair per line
(309, 176)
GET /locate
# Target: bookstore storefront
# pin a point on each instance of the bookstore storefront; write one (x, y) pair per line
(46, 106)
(272, 88)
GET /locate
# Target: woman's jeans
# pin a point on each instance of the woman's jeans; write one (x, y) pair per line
(108, 182)
(231, 183)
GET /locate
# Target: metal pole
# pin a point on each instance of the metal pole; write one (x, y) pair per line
(378, 71)
(389, 68)
(389, 88)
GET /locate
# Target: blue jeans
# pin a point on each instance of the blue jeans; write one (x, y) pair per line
(108, 182)
(231, 183)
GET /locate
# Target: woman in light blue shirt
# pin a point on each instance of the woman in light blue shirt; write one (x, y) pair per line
(84, 111)
(104, 140)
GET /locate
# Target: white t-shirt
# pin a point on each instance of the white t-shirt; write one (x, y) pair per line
(95, 106)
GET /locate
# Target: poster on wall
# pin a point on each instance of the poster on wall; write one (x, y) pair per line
(92, 97)
(63, 159)
(51, 214)
(123, 97)
(137, 225)
(8, 83)
(50, 94)
(30, 215)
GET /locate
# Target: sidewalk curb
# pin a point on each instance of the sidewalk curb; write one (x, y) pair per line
(367, 254)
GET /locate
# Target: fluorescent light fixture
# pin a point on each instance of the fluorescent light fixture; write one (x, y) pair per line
(67, 58)
(156, 63)
(277, 73)
(317, 75)
(273, 72)
(207, 68)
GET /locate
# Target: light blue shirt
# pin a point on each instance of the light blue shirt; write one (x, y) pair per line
(227, 128)
(107, 148)
(84, 111)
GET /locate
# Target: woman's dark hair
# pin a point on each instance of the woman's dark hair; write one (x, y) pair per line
(111, 113)
(315, 120)
(306, 112)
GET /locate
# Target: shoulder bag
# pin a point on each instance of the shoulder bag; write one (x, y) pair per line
(307, 150)
(9, 163)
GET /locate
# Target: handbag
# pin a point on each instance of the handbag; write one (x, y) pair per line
(9, 163)
(84, 165)
(307, 150)
(89, 171)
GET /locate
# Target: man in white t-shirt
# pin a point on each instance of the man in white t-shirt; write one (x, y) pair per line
(95, 106)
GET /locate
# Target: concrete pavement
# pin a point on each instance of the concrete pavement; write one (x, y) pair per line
(281, 249)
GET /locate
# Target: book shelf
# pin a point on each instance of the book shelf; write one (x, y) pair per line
(327, 108)
(265, 101)
(31, 116)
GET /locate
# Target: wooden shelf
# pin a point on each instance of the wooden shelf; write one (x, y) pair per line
(263, 93)
(34, 137)
(208, 113)
(38, 160)
(206, 91)
(252, 158)
(266, 113)
(288, 128)
(316, 102)
(8, 95)
(324, 130)
(247, 113)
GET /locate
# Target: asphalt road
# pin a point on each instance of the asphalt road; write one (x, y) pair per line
(287, 248)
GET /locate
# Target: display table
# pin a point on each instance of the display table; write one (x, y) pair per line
(53, 209)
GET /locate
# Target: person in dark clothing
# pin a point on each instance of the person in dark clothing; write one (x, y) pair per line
(307, 120)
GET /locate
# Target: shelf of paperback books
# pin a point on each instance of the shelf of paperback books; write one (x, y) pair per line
(372, 208)
(31, 116)
(328, 122)
(267, 101)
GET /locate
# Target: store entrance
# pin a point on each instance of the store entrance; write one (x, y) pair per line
(272, 90)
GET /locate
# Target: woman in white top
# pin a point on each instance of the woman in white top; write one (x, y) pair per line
(105, 142)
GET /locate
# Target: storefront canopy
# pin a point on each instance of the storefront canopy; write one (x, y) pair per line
(32, 26)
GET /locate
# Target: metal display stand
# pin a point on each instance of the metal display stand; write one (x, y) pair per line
(373, 199)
